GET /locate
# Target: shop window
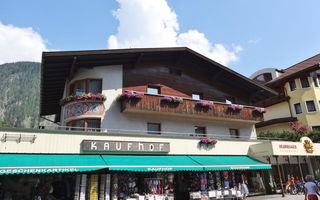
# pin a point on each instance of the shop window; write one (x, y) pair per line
(304, 82)
(292, 85)
(311, 106)
(297, 108)
(200, 130)
(154, 128)
(93, 86)
(196, 96)
(234, 133)
(153, 90)
(85, 125)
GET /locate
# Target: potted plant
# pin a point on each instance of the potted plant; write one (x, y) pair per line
(235, 107)
(260, 110)
(208, 141)
(129, 95)
(172, 99)
(205, 104)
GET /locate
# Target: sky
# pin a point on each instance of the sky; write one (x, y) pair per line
(243, 35)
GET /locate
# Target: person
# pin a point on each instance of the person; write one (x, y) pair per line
(292, 186)
(310, 188)
(244, 189)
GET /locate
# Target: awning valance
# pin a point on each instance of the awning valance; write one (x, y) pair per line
(151, 163)
(40, 163)
(214, 163)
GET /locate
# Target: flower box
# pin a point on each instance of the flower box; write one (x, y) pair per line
(205, 104)
(208, 141)
(130, 95)
(235, 107)
(260, 110)
(172, 99)
(85, 96)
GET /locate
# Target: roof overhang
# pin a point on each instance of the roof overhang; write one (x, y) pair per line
(57, 67)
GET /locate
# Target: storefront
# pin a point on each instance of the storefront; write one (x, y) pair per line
(288, 159)
(127, 167)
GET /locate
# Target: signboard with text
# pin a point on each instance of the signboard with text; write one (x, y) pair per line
(124, 146)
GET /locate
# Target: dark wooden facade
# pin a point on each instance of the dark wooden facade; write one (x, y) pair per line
(189, 108)
(181, 81)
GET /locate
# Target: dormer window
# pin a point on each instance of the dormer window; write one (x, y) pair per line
(93, 86)
(153, 90)
(196, 96)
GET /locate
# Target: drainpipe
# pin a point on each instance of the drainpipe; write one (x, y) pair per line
(288, 100)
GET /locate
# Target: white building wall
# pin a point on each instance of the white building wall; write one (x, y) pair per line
(114, 119)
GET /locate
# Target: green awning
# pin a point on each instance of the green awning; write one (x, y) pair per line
(40, 163)
(149, 163)
(214, 163)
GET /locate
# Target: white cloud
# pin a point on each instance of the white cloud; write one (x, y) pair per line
(20, 44)
(152, 23)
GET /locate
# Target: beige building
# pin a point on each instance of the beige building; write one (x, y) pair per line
(298, 101)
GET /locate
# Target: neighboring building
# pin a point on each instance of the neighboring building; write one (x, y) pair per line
(144, 124)
(299, 96)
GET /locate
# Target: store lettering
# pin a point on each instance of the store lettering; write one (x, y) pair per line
(287, 146)
(36, 170)
(124, 146)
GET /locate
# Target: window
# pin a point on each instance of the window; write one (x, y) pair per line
(153, 90)
(196, 96)
(263, 78)
(154, 128)
(200, 130)
(297, 108)
(304, 82)
(86, 86)
(310, 106)
(85, 125)
(234, 133)
(317, 128)
(316, 82)
(292, 85)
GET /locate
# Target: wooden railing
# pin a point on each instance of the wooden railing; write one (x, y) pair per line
(153, 103)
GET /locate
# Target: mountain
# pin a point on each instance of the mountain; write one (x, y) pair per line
(20, 94)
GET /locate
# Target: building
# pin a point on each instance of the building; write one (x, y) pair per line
(145, 124)
(299, 96)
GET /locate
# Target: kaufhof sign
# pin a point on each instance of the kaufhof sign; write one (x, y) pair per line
(124, 146)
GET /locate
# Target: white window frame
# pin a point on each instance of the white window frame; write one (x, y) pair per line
(308, 82)
(318, 81)
(294, 80)
(315, 105)
(295, 112)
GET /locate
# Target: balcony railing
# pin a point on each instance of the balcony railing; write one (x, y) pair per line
(189, 107)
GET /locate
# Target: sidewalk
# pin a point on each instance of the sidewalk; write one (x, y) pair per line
(277, 197)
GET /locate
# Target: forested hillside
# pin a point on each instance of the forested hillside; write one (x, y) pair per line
(20, 94)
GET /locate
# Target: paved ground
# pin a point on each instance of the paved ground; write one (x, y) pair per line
(277, 197)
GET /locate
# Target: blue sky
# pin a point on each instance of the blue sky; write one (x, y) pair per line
(245, 35)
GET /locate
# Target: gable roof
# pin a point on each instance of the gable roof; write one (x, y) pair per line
(301, 68)
(58, 66)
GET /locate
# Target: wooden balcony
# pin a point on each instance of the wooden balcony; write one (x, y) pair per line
(189, 108)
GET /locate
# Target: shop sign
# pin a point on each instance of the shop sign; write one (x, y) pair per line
(124, 146)
(36, 170)
(287, 146)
